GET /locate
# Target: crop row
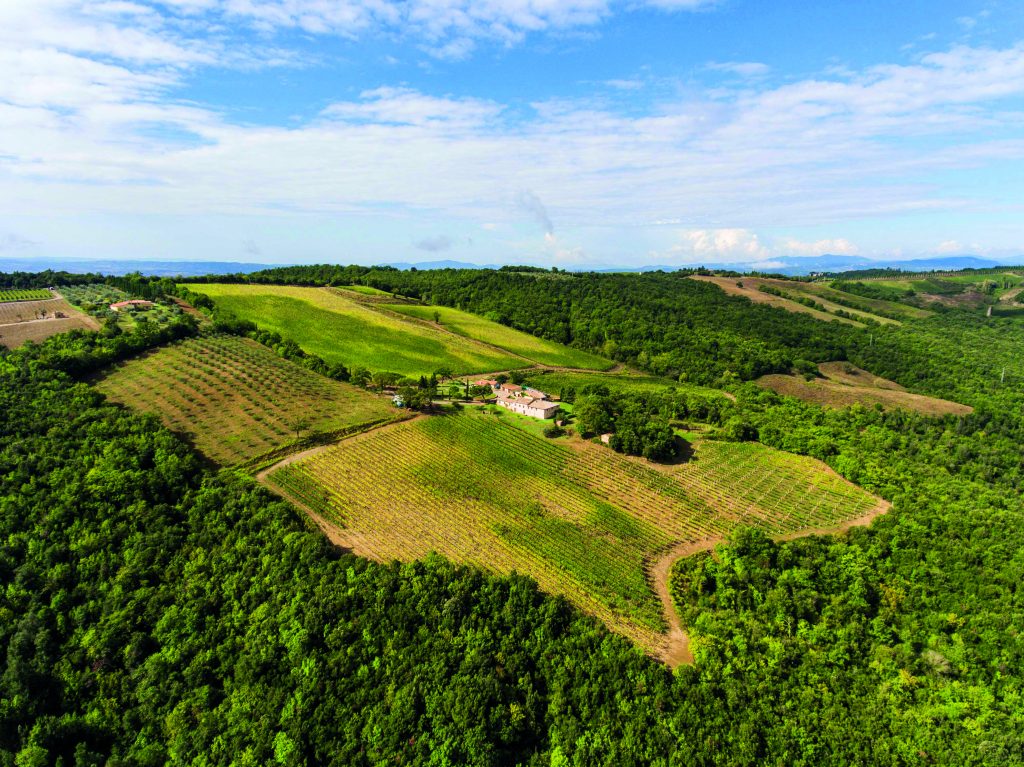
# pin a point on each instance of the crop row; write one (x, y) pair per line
(236, 398)
(412, 488)
(19, 294)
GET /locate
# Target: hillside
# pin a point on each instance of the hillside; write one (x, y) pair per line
(842, 384)
(480, 329)
(156, 608)
(584, 521)
(340, 329)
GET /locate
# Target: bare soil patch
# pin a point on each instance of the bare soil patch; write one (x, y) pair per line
(846, 385)
(22, 321)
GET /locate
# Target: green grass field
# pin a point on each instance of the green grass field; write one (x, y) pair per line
(235, 398)
(523, 344)
(626, 383)
(24, 294)
(584, 521)
(365, 290)
(339, 329)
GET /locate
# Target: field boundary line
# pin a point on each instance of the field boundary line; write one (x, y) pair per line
(286, 454)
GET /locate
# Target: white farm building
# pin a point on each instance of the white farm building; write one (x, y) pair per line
(531, 406)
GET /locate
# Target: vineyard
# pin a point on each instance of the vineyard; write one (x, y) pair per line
(523, 344)
(237, 399)
(341, 329)
(584, 521)
(19, 294)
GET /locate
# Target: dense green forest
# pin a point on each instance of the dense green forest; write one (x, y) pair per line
(155, 612)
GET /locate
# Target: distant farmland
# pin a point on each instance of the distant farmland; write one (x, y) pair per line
(24, 319)
(237, 399)
(480, 329)
(351, 332)
(584, 521)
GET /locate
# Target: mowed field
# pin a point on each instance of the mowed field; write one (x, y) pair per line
(844, 384)
(553, 382)
(340, 329)
(584, 521)
(25, 320)
(480, 329)
(237, 399)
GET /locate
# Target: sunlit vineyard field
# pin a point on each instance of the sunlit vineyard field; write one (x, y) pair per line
(583, 520)
(237, 399)
(24, 294)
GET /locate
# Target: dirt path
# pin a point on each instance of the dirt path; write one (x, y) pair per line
(675, 649)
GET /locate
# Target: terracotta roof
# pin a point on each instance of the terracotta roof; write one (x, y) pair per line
(133, 302)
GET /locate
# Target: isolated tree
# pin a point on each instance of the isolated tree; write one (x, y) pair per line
(299, 424)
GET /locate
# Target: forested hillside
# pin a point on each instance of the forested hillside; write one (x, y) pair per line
(153, 612)
(665, 323)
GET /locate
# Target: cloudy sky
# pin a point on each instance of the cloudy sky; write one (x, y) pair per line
(563, 132)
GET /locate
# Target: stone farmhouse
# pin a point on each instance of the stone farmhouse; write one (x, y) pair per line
(531, 402)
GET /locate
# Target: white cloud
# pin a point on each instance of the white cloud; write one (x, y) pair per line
(402, 106)
(708, 246)
(89, 122)
(740, 68)
(836, 247)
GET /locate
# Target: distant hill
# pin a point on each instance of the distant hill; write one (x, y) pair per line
(439, 265)
(117, 268)
(803, 265)
(791, 266)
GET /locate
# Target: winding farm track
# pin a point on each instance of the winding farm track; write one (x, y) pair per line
(675, 649)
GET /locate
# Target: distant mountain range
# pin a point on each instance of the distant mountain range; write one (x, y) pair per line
(793, 266)
(118, 268)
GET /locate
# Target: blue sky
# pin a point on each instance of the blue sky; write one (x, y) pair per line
(556, 132)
